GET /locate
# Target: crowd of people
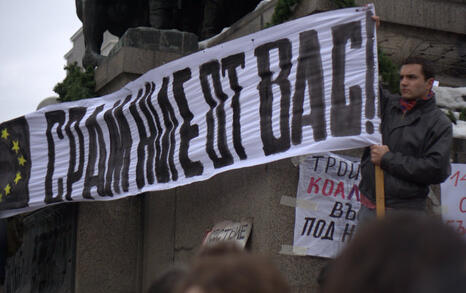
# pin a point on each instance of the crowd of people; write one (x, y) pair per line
(402, 253)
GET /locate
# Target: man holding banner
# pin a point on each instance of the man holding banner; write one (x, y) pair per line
(417, 139)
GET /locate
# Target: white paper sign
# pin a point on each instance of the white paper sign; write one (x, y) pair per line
(328, 184)
(305, 86)
(453, 193)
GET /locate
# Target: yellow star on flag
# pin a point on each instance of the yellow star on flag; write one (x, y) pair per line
(21, 161)
(7, 189)
(15, 146)
(5, 133)
(18, 177)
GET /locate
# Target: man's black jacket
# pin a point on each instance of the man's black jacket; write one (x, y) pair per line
(419, 142)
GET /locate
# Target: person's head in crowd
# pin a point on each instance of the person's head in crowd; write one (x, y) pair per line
(220, 249)
(401, 254)
(168, 280)
(221, 270)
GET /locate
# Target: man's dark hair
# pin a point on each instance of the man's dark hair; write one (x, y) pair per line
(230, 271)
(168, 281)
(426, 66)
(220, 249)
(403, 253)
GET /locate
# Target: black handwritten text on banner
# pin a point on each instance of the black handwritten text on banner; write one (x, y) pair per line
(302, 87)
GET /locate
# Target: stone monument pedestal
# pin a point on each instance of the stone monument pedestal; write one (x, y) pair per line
(138, 51)
(109, 235)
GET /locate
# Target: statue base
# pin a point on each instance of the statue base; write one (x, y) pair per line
(109, 234)
(138, 51)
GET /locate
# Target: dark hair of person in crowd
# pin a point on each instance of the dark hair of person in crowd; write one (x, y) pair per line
(401, 254)
(168, 280)
(427, 67)
(232, 272)
(220, 249)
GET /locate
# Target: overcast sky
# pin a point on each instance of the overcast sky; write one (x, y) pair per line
(34, 37)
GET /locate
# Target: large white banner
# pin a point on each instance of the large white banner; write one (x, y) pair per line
(327, 203)
(453, 192)
(305, 86)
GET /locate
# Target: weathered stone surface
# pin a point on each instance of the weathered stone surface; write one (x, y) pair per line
(45, 260)
(253, 192)
(440, 15)
(315, 6)
(109, 246)
(158, 40)
(446, 50)
(159, 234)
(138, 51)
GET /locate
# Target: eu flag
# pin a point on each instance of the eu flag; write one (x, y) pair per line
(15, 163)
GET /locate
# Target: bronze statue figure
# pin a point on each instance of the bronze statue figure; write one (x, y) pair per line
(116, 16)
(202, 17)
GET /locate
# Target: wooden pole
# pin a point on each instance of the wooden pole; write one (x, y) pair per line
(379, 193)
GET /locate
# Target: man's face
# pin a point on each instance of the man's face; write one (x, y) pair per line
(413, 84)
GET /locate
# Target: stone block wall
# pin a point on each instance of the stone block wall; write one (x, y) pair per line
(138, 51)
(439, 15)
(46, 243)
(176, 221)
(109, 246)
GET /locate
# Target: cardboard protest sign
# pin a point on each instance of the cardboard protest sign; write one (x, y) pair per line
(230, 231)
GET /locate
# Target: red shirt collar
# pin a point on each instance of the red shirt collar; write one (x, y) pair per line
(408, 104)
